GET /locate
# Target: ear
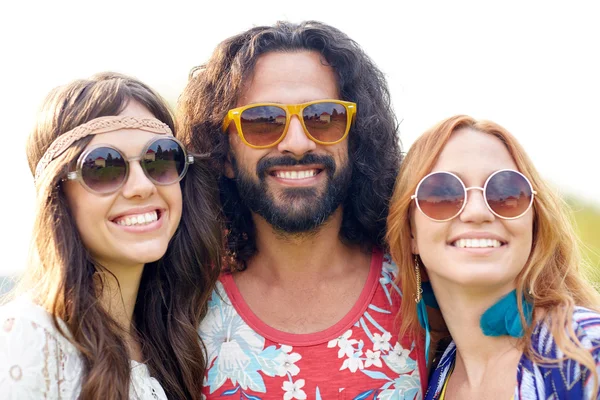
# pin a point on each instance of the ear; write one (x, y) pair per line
(229, 172)
(414, 245)
(413, 235)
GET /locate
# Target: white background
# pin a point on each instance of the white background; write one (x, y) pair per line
(532, 66)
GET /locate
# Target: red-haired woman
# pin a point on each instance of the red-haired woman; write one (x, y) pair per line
(471, 213)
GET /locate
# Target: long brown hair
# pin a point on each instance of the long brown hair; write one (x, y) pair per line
(551, 278)
(173, 291)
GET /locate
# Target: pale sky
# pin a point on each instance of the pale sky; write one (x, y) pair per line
(531, 66)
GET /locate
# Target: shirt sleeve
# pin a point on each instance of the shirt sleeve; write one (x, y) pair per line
(35, 362)
(24, 371)
(586, 325)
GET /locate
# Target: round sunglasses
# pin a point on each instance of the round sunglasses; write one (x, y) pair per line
(263, 125)
(103, 169)
(442, 196)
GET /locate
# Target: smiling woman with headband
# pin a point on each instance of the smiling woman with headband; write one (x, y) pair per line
(472, 216)
(124, 252)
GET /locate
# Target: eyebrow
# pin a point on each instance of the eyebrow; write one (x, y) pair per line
(452, 172)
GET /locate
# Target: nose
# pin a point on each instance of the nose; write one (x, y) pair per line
(295, 140)
(137, 184)
(476, 210)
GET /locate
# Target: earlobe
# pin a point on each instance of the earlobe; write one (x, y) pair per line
(413, 244)
(413, 240)
(229, 172)
(413, 237)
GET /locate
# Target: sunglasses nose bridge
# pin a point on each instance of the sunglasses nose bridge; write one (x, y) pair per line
(295, 110)
(467, 189)
(137, 182)
(473, 209)
(295, 138)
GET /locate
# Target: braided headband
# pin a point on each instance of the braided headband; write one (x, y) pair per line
(94, 127)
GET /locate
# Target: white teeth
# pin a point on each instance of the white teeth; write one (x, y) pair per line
(477, 243)
(295, 174)
(139, 219)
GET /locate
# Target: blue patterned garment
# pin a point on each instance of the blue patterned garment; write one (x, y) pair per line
(566, 380)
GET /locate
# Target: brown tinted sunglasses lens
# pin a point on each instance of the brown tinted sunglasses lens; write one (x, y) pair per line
(441, 196)
(508, 194)
(103, 170)
(326, 122)
(164, 161)
(263, 125)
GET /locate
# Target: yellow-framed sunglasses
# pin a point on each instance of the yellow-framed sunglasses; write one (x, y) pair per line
(263, 125)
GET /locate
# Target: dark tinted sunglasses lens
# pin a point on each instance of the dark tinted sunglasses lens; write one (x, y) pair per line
(508, 194)
(326, 122)
(164, 161)
(103, 170)
(263, 125)
(441, 196)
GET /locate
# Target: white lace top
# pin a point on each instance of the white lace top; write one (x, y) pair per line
(37, 362)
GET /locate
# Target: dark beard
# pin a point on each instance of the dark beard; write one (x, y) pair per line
(307, 210)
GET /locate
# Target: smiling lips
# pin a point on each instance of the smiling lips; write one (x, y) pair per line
(287, 174)
(137, 219)
(476, 243)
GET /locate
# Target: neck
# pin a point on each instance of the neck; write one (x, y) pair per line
(477, 354)
(119, 291)
(301, 257)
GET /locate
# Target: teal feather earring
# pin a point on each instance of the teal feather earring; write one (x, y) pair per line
(422, 309)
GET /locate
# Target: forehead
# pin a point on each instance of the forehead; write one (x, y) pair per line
(290, 77)
(474, 155)
(128, 141)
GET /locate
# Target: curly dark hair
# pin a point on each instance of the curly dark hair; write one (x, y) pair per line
(374, 146)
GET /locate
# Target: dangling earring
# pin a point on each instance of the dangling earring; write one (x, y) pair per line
(418, 274)
(422, 309)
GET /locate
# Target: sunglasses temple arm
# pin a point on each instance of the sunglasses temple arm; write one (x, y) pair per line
(198, 156)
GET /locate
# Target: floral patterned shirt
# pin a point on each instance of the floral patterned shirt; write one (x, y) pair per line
(359, 357)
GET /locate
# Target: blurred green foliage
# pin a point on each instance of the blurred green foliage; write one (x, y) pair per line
(587, 221)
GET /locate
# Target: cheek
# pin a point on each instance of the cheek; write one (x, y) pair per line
(89, 212)
(429, 237)
(341, 153)
(245, 157)
(172, 196)
(522, 232)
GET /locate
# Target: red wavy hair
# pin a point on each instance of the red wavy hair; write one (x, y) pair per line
(551, 279)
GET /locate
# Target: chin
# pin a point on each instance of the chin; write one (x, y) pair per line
(483, 280)
(145, 254)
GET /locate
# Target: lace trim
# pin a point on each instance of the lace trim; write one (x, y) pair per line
(36, 359)
(94, 127)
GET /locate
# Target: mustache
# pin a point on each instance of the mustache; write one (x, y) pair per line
(267, 163)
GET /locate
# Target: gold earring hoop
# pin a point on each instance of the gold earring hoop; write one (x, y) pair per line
(418, 275)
